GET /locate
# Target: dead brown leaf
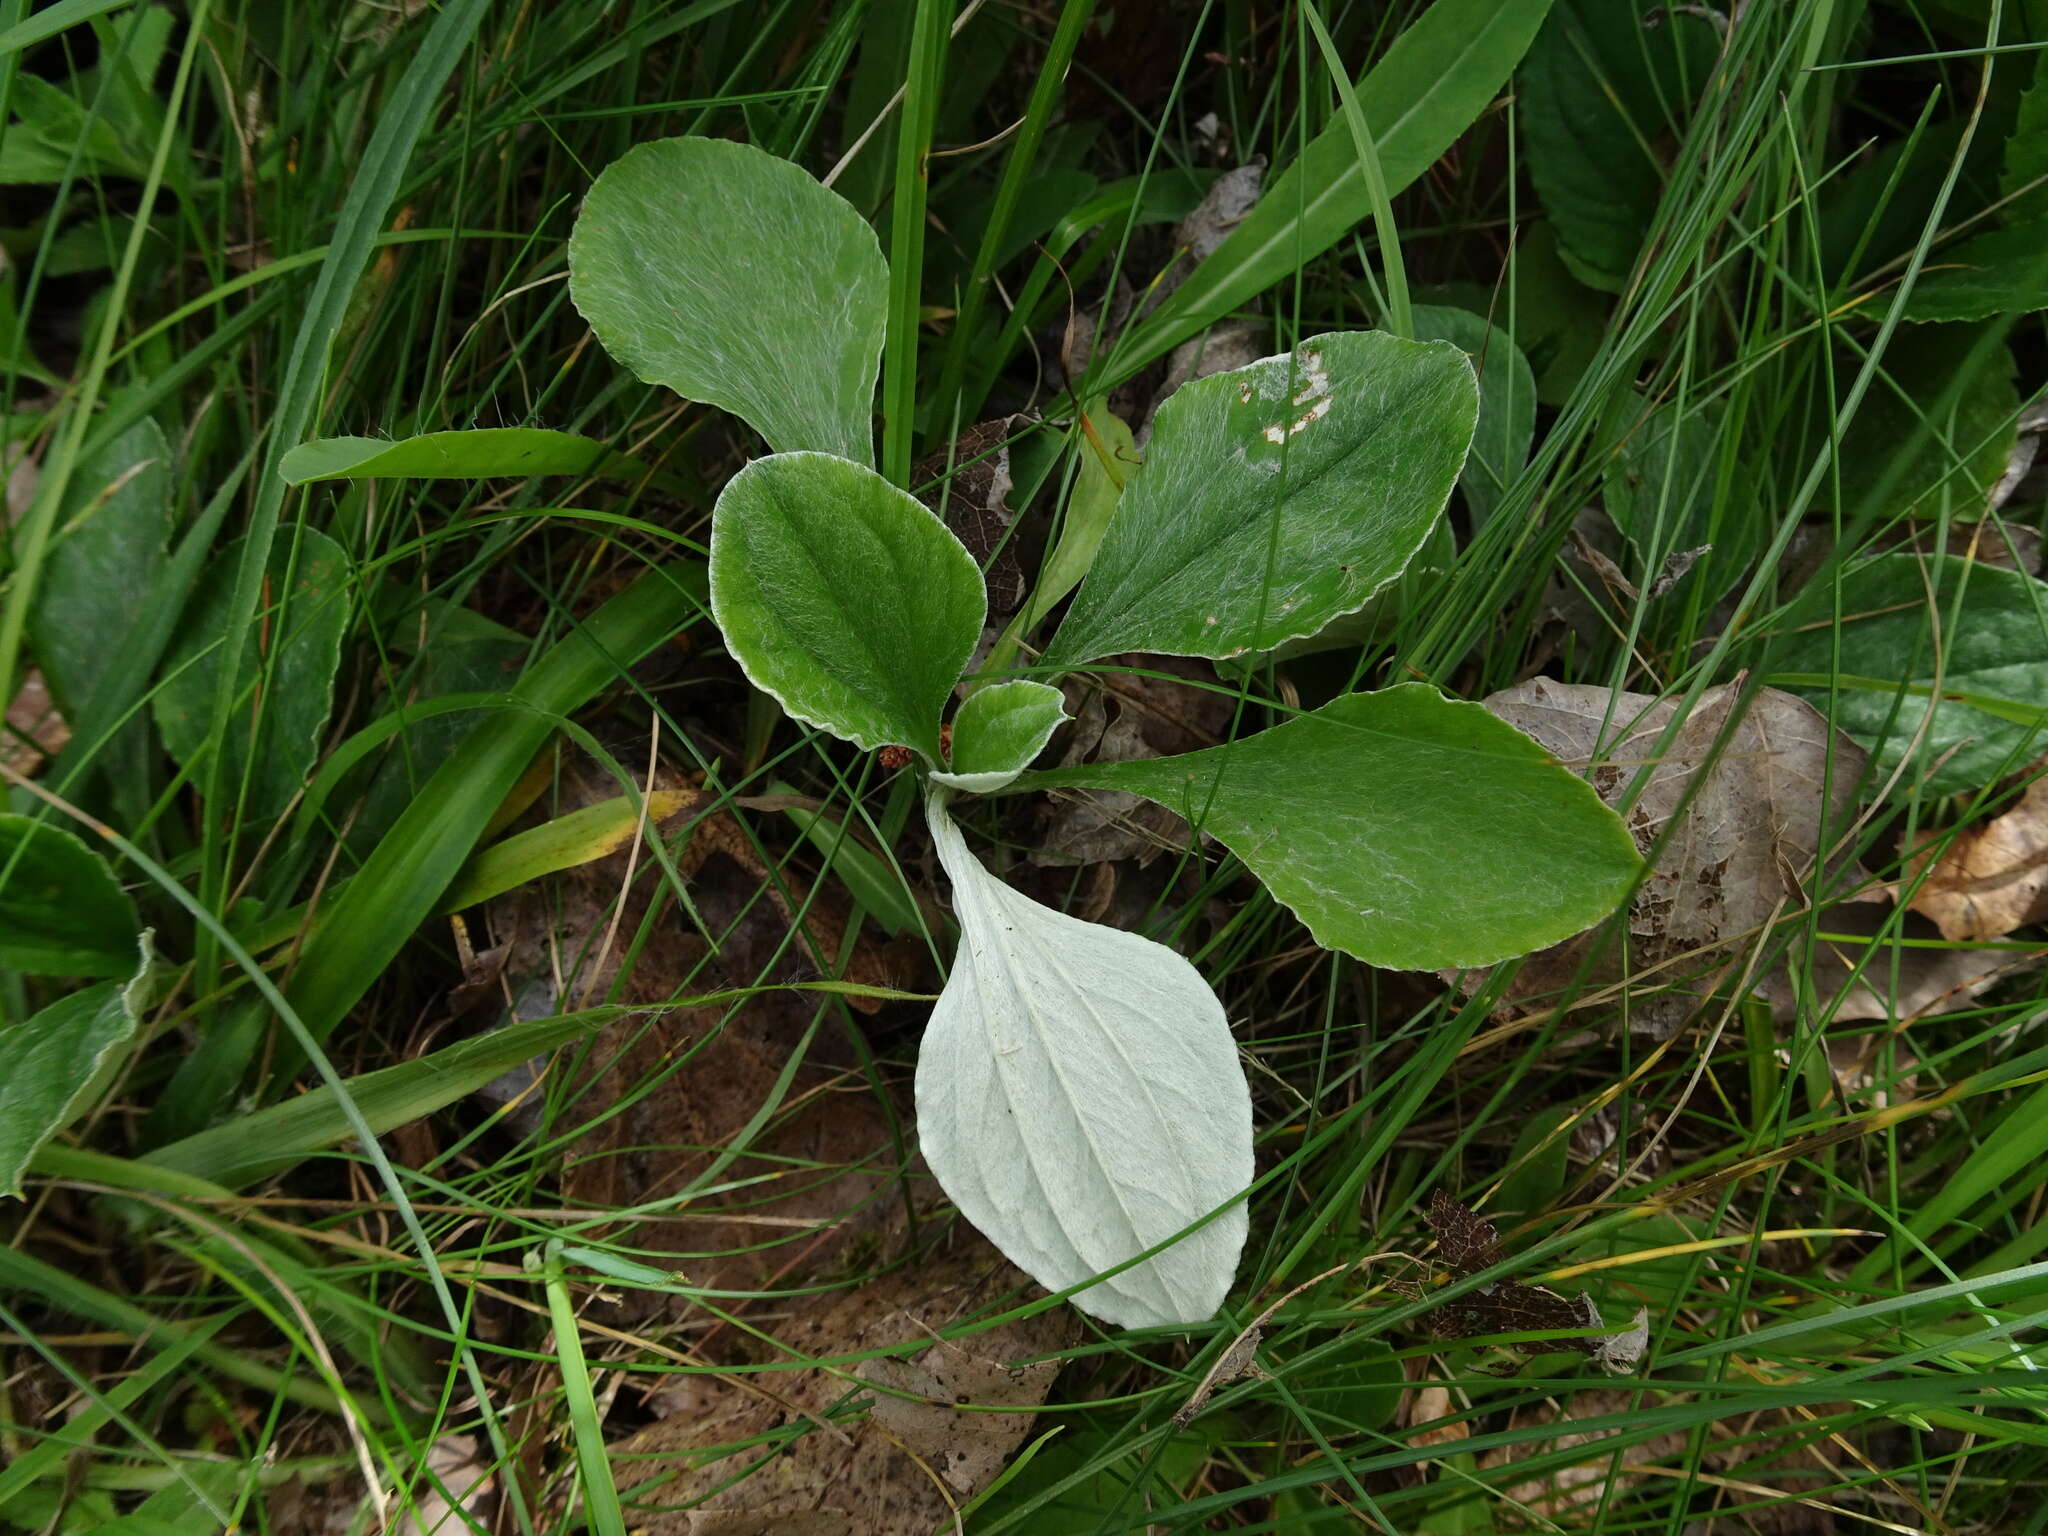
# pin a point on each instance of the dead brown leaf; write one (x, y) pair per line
(1469, 1244)
(35, 729)
(1893, 982)
(974, 501)
(1121, 717)
(1992, 878)
(1583, 1482)
(912, 1461)
(1739, 852)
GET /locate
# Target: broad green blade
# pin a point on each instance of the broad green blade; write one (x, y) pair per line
(1407, 829)
(844, 598)
(1276, 497)
(734, 278)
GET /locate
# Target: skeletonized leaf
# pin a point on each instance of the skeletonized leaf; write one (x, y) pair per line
(1746, 810)
(50, 1064)
(1275, 497)
(844, 598)
(734, 278)
(1080, 1099)
(1407, 829)
(998, 731)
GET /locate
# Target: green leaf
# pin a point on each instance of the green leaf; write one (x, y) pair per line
(2023, 177)
(1106, 458)
(1275, 497)
(1427, 89)
(1953, 433)
(61, 912)
(483, 453)
(1993, 650)
(109, 551)
(271, 1140)
(285, 682)
(844, 598)
(1507, 402)
(868, 877)
(1079, 1098)
(1407, 829)
(734, 278)
(2002, 272)
(51, 1064)
(1601, 89)
(1659, 490)
(997, 733)
(361, 929)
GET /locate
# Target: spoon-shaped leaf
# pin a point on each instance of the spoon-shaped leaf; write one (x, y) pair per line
(844, 598)
(733, 277)
(1407, 829)
(1275, 497)
(998, 731)
(1080, 1099)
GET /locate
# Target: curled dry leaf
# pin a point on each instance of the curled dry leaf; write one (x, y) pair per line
(1993, 878)
(1469, 1244)
(1741, 851)
(1123, 717)
(911, 1461)
(34, 729)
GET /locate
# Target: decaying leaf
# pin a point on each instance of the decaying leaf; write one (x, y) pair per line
(1120, 717)
(1855, 980)
(1741, 848)
(1469, 1244)
(1581, 1482)
(911, 1461)
(1992, 878)
(974, 501)
(34, 729)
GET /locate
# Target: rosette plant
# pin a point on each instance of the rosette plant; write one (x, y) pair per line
(1079, 1093)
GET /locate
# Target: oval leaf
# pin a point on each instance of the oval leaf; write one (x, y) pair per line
(1080, 1099)
(285, 683)
(61, 912)
(1992, 664)
(1407, 829)
(734, 278)
(53, 1061)
(1600, 90)
(484, 453)
(844, 598)
(1352, 443)
(1507, 402)
(998, 731)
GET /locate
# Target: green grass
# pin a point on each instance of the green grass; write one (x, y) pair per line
(309, 219)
